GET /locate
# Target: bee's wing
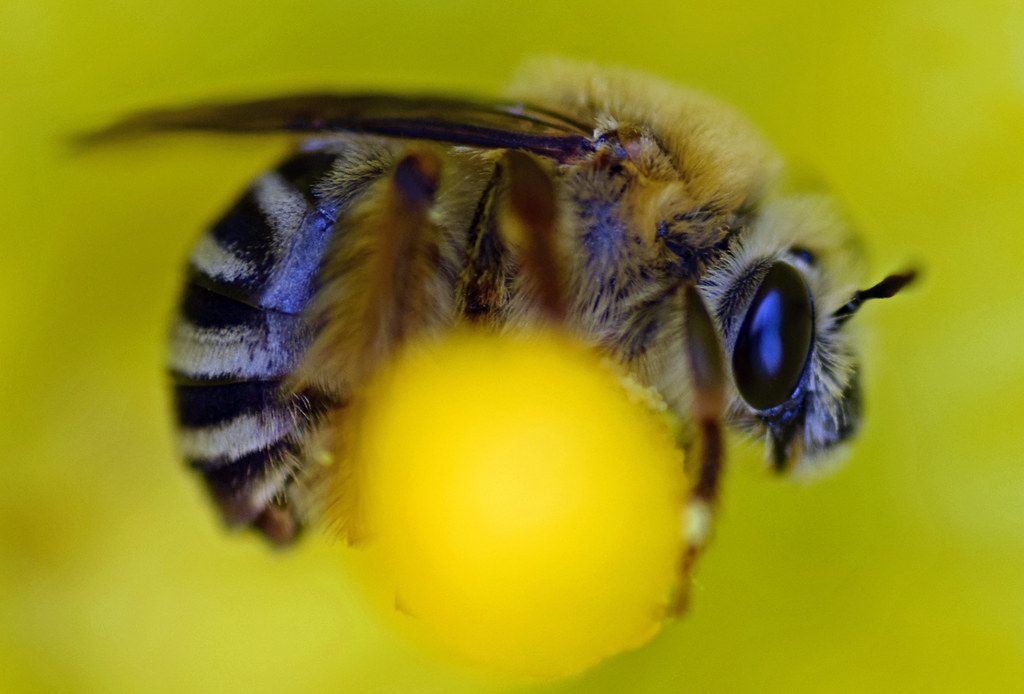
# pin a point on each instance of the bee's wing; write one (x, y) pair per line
(442, 119)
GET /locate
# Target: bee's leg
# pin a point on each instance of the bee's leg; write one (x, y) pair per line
(531, 226)
(707, 374)
(386, 280)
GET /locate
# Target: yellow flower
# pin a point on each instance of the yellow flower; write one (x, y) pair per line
(518, 506)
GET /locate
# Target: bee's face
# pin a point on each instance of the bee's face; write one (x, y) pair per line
(792, 361)
(790, 379)
(782, 296)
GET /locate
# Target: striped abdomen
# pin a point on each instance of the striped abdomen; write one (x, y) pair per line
(240, 332)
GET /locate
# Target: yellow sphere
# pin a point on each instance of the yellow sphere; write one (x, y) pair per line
(517, 506)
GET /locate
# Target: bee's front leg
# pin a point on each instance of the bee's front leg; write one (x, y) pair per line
(707, 374)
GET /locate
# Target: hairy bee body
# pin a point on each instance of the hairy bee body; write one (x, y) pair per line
(389, 227)
(240, 332)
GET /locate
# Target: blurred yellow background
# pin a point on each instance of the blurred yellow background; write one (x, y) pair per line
(903, 571)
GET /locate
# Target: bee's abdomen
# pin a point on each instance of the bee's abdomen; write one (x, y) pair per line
(240, 331)
(217, 337)
(266, 249)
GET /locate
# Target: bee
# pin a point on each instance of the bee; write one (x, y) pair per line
(645, 219)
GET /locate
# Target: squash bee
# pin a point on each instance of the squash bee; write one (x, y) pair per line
(643, 218)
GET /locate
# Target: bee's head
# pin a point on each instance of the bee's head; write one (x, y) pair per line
(782, 299)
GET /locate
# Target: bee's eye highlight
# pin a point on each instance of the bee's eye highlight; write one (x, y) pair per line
(774, 341)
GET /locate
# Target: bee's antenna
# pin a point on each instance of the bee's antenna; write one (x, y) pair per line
(885, 289)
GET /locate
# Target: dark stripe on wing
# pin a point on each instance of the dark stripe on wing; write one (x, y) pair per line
(426, 117)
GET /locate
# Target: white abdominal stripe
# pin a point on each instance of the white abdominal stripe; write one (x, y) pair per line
(240, 332)
(217, 337)
(245, 352)
(268, 246)
(242, 436)
(235, 477)
(236, 426)
(220, 444)
(221, 264)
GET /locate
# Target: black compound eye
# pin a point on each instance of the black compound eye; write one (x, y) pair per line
(774, 341)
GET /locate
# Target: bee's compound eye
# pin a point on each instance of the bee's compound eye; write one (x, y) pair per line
(774, 341)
